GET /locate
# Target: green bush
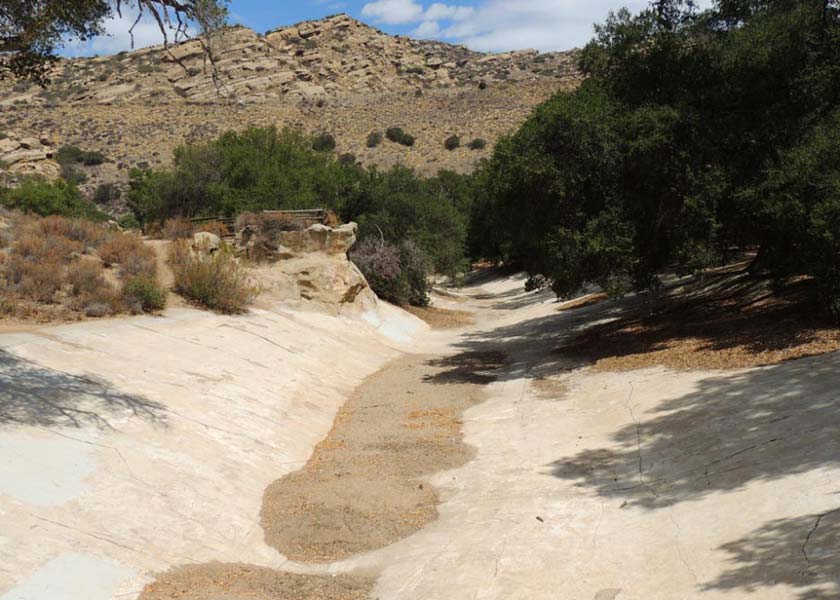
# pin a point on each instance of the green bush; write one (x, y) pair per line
(478, 144)
(453, 142)
(696, 135)
(106, 193)
(323, 142)
(374, 138)
(35, 195)
(69, 155)
(267, 169)
(397, 135)
(145, 292)
(128, 222)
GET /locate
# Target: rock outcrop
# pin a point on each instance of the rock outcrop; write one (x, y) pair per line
(22, 156)
(335, 75)
(311, 266)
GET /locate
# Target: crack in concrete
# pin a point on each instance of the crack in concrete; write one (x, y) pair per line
(811, 533)
(733, 455)
(678, 546)
(262, 337)
(638, 443)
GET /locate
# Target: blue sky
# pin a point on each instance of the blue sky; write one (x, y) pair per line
(485, 25)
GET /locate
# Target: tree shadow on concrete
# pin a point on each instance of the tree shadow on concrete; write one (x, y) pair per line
(759, 425)
(36, 396)
(529, 347)
(800, 552)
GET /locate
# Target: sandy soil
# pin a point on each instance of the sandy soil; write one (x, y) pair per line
(363, 488)
(443, 318)
(218, 581)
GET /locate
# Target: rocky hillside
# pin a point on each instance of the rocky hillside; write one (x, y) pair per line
(336, 75)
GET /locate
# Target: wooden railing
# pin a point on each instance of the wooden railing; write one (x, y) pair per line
(298, 219)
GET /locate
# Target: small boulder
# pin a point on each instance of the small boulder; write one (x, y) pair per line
(206, 243)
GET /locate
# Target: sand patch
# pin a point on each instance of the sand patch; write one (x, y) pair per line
(219, 581)
(364, 486)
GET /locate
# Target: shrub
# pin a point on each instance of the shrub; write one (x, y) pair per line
(71, 174)
(106, 193)
(397, 135)
(85, 278)
(478, 144)
(374, 138)
(323, 142)
(415, 267)
(453, 142)
(145, 69)
(178, 229)
(89, 234)
(39, 281)
(217, 282)
(214, 227)
(129, 252)
(90, 159)
(144, 292)
(35, 195)
(67, 155)
(128, 221)
(396, 274)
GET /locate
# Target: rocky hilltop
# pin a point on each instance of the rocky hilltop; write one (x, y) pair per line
(336, 75)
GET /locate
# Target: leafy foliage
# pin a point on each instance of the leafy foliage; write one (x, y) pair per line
(695, 133)
(31, 32)
(267, 169)
(37, 196)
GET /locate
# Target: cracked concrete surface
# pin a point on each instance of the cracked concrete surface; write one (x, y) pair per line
(640, 485)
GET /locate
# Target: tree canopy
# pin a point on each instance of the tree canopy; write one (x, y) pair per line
(695, 134)
(32, 31)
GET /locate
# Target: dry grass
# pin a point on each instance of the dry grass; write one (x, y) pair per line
(727, 321)
(217, 281)
(215, 227)
(178, 229)
(54, 269)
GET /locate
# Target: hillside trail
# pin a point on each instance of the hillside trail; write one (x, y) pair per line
(488, 465)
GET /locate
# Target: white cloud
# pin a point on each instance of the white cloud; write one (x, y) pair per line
(117, 37)
(427, 29)
(501, 25)
(438, 11)
(393, 12)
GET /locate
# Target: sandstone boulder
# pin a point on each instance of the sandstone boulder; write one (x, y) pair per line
(206, 243)
(311, 267)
